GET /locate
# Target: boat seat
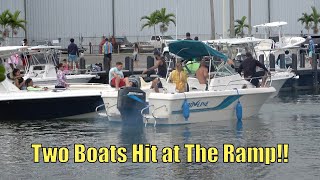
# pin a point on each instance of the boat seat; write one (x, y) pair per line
(144, 84)
(194, 85)
(168, 87)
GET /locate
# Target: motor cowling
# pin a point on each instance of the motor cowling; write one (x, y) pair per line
(131, 100)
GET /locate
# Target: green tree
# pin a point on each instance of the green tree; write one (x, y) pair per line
(4, 23)
(16, 23)
(151, 21)
(240, 26)
(316, 19)
(306, 20)
(2, 73)
(165, 20)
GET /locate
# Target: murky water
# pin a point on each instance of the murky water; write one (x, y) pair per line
(290, 119)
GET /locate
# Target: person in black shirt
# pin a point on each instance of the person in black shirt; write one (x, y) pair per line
(248, 67)
(73, 54)
(161, 68)
(188, 36)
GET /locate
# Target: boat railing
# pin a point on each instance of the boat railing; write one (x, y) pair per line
(250, 79)
(107, 107)
(144, 114)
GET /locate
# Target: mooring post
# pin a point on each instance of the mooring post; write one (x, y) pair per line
(272, 61)
(282, 61)
(295, 69)
(302, 60)
(315, 73)
(261, 58)
(294, 62)
(150, 61)
(127, 63)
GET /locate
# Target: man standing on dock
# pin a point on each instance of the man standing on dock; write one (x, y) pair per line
(311, 49)
(107, 51)
(73, 54)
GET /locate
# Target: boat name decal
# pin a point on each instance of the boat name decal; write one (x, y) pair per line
(198, 104)
(135, 93)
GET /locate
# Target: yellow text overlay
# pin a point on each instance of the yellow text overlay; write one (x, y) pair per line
(147, 153)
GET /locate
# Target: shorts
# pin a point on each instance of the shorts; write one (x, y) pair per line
(310, 54)
(121, 83)
(72, 58)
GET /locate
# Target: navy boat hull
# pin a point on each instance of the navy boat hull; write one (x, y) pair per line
(48, 108)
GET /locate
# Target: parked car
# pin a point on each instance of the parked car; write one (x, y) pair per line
(122, 45)
(160, 42)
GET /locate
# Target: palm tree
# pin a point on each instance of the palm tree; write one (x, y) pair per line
(307, 20)
(4, 22)
(16, 23)
(316, 19)
(240, 26)
(165, 20)
(152, 21)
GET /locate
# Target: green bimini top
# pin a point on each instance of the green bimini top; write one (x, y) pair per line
(189, 49)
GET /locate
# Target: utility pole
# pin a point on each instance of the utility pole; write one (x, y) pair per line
(25, 17)
(249, 16)
(232, 33)
(113, 24)
(224, 30)
(213, 26)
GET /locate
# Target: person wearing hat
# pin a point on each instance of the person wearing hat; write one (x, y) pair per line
(311, 49)
(161, 70)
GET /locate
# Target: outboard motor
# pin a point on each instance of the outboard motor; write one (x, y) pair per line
(135, 80)
(131, 100)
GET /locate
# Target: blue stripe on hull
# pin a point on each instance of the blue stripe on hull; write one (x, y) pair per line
(224, 104)
(44, 109)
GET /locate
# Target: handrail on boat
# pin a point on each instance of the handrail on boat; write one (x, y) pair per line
(155, 118)
(142, 113)
(250, 80)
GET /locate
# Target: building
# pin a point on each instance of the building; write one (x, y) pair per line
(90, 19)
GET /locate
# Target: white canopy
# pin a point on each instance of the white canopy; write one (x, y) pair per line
(270, 25)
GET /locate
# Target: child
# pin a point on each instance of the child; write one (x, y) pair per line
(31, 87)
(65, 65)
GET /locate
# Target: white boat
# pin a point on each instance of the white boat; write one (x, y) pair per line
(43, 72)
(234, 48)
(279, 43)
(78, 101)
(215, 104)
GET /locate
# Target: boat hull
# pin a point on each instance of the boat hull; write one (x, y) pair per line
(209, 107)
(204, 106)
(48, 108)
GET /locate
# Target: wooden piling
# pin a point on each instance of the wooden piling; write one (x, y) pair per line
(294, 62)
(282, 61)
(261, 58)
(272, 61)
(302, 60)
(315, 73)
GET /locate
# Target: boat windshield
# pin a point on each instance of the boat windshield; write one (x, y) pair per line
(235, 51)
(224, 70)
